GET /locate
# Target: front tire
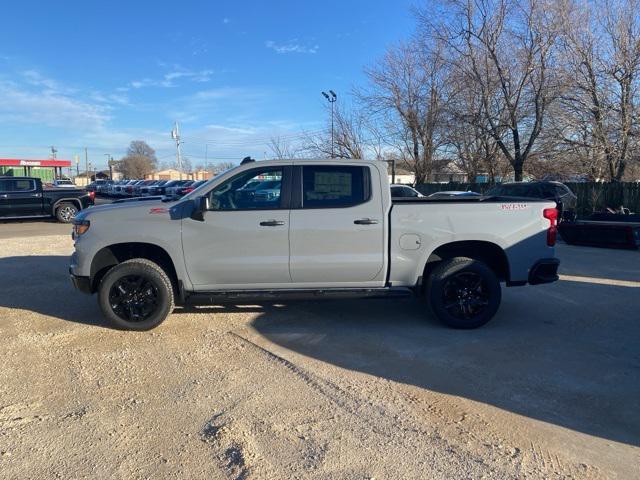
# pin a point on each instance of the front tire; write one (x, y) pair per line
(65, 212)
(136, 295)
(463, 292)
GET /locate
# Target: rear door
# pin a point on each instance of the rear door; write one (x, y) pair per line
(337, 226)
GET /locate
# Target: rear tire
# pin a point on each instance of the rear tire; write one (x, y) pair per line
(463, 292)
(136, 295)
(65, 212)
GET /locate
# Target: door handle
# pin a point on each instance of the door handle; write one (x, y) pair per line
(366, 221)
(271, 223)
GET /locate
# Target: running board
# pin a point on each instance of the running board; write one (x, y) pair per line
(209, 298)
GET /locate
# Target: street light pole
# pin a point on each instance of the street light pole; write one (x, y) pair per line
(175, 134)
(331, 98)
(110, 164)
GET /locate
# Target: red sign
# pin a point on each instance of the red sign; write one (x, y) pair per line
(14, 162)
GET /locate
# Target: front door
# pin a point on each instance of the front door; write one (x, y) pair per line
(21, 197)
(243, 242)
(337, 227)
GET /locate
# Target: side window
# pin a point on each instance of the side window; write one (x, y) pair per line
(334, 186)
(257, 189)
(19, 185)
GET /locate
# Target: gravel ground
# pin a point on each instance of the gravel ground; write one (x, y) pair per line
(334, 390)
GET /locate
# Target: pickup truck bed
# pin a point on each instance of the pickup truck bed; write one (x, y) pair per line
(327, 229)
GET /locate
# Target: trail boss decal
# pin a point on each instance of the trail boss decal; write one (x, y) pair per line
(514, 206)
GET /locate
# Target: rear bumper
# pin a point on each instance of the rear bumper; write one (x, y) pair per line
(81, 283)
(544, 271)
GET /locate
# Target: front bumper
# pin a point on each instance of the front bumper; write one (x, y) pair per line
(544, 271)
(81, 283)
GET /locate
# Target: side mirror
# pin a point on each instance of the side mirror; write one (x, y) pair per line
(200, 205)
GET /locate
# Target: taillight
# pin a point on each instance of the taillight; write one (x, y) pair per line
(187, 190)
(92, 196)
(551, 214)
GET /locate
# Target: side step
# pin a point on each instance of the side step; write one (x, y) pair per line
(241, 296)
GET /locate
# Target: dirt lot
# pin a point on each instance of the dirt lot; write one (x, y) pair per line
(343, 389)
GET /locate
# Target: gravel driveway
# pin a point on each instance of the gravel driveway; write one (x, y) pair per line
(333, 390)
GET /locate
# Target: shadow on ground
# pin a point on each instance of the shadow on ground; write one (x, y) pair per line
(565, 353)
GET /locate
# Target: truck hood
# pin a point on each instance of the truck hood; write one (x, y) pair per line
(131, 206)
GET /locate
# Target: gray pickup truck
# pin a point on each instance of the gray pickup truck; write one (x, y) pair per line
(25, 197)
(310, 229)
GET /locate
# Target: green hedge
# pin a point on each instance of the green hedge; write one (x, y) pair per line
(592, 197)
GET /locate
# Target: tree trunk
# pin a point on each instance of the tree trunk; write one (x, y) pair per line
(517, 169)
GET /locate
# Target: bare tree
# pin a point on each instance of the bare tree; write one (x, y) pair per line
(282, 149)
(139, 161)
(601, 66)
(504, 49)
(407, 88)
(474, 149)
(350, 132)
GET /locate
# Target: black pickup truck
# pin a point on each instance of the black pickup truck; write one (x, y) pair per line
(24, 197)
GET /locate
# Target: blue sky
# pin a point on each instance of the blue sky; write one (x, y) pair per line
(100, 74)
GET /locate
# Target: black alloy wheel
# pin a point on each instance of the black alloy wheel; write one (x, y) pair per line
(463, 292)
(133, 298)
(465, 295)
(136, 294)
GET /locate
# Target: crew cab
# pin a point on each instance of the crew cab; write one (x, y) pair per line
(25, 197)
(331, 230)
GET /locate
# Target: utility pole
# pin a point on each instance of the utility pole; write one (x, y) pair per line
(86, 165)
(77, 159)
(110, 164)
(54, 152)
(175, 134)
(331, 98)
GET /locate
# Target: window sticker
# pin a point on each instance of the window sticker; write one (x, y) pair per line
(336, 184)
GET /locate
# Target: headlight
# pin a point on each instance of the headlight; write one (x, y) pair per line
(80, 227)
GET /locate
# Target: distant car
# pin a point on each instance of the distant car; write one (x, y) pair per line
(189, 188)
(404, 191)
(63, 183)
(171, 191)
(565, 199)
(93, 186)
(146, 189)
(160, 188)
(117, 190)
(129, 190)
(111, 189)
(137, 190)
(269, 191)
(454, 194)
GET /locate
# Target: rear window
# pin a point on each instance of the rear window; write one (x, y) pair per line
(334, 186)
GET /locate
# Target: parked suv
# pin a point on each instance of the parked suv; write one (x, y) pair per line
(556, 191)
